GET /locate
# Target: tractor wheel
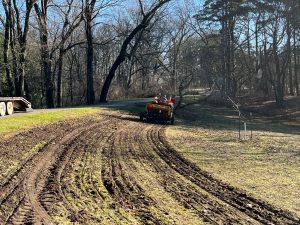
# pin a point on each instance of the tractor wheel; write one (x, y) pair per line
(2, 109)
(148, 120)
(141, 116)
(172, 120)
(9, 108)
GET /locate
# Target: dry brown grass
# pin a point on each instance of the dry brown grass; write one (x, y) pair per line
(268, 166)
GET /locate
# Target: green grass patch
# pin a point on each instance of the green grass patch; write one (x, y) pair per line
(19, 122)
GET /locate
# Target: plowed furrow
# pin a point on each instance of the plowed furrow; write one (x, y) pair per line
(29, 182)
(98, 170)
(208, 209)
(33, 185)
(75, 150)
(81, 193)
(123, 187)
(130, 140)
(256, 209)
(11, 185)
(52, 192)
(9, 213)
(27, 140)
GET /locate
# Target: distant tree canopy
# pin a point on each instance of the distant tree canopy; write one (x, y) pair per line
(259, 45)
(64, 53)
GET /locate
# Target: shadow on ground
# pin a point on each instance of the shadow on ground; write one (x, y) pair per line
(216, 117)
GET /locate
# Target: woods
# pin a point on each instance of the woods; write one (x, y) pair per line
(65, 53)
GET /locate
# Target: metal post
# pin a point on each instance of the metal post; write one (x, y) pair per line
(245, 130)
(251, 126)
(239, 125)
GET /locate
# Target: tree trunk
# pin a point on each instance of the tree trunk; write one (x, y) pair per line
(27, 91)
(109, 78)
(71, 82)
(223, 59)
(173, 72)
(5, 57)
(47, 71)
(233, 81)
(90, 93)
(22, 73)
(46, 63)
(279, 94)
(289, 50)
(266, 76)
(279, 74)
(295, 64)
(59, 87)
(14, 65)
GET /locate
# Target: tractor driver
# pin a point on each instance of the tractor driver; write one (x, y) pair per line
(158, 99)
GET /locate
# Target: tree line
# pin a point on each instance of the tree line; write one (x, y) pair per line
(63, 53)
(256, 37)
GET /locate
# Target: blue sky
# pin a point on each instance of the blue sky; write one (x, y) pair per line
(127, 3)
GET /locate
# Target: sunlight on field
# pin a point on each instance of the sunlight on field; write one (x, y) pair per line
(10, 124)
(12, 164)
(268, 166)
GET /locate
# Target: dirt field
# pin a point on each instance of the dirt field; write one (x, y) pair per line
(109, 168)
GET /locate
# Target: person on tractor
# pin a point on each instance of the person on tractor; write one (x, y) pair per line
(171, 100)
(155, 100)
(164, 100)
(158, 99)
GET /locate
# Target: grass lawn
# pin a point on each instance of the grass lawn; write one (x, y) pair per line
(267, 166)
(18, 122)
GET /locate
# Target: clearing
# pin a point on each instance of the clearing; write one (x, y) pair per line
(106, 167)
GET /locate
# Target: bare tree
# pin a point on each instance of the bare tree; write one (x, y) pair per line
(123, 54)
(7, 25)
(22, 33)
(41, 10)
(71, 20)
(16, 32)
(92, 9)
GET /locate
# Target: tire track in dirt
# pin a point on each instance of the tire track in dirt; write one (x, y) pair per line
(28, 209)
(27, 140)
(35, 181)
(119, 182)
(78, 151)
(134, 198)
(11, 193)
(19, 143)
(257, 209)
(205, 207)
(53, 190)
(210, 209)
(45, 182)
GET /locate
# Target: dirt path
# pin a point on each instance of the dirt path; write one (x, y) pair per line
(112, 169)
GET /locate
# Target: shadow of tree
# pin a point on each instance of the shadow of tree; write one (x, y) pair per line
(217, 117)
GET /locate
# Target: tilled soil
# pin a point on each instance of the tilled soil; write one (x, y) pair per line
(111, 169)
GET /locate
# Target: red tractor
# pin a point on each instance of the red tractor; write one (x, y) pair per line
(159, 112)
